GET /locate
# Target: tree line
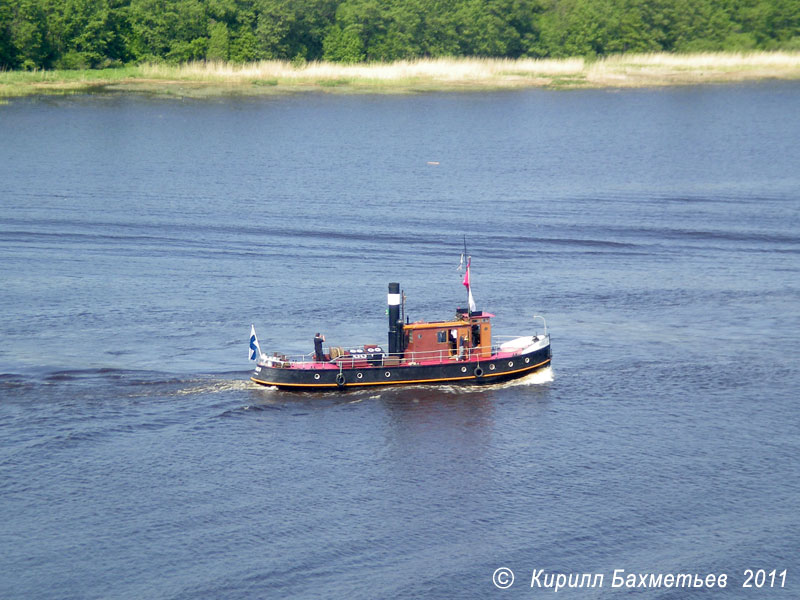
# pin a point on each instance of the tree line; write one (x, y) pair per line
(46, 34)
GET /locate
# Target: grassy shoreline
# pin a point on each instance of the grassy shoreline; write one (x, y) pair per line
(211, 79)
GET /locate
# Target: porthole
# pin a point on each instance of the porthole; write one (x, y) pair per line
(527, 360)
(491, 367)
(316, 375)
(463, 369)
(511, 363)
(388, 374)
(359, 375)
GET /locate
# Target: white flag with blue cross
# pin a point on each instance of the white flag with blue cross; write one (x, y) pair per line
(255, 349)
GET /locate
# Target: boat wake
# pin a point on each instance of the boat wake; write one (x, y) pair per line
(536, 378)
(213, 387)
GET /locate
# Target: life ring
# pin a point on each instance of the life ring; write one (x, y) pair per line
(478, 372)
(340, 380)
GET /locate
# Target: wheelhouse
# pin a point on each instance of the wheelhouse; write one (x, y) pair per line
(469, 335)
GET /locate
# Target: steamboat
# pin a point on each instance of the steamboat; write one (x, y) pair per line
(460, 350)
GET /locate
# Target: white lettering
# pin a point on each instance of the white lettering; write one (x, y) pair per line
(614, 578)
(561, 581)
(535, 578)
(619, 578)
(552, 580)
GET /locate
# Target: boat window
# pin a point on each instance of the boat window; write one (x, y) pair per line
(441, 336)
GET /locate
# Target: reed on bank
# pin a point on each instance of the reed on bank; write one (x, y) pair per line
(199, 79)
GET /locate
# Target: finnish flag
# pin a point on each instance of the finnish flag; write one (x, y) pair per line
(255, 349)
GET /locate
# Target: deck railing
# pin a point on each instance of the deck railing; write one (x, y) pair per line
(347, 361)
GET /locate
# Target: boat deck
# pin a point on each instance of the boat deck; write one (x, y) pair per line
(473, 355)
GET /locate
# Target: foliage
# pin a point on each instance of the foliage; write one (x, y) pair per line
(46, 34)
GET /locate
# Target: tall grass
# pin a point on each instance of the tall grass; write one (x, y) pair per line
(710, 67)
(204, 78)
(709, 60)
(423, 70)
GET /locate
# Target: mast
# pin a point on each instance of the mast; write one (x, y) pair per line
(466, 258)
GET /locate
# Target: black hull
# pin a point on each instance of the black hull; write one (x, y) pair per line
(472, 372)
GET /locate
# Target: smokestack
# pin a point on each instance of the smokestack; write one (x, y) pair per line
(395, 324)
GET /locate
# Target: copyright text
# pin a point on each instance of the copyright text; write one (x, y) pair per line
(503, 578)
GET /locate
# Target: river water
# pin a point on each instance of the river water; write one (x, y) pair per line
(658, 231)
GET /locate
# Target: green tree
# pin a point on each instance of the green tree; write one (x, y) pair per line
(365, 20)
(314, 18)
(439, 32)
(629, 29)
(97, 33)
(484, 29)
(168, 29)
(400, 32)
(28, 30)
(274, 23)
(218, 41)
(244, 46)
(84, 33)
(784, 23)
(343, 45)
(8, 58)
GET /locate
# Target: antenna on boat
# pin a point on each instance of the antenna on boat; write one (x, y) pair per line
(466, 277)
(470, 301)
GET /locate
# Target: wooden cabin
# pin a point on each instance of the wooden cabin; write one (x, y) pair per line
(469, 335)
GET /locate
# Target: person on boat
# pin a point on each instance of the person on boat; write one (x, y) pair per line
(476, 335)
(318, 339)
(462, 348)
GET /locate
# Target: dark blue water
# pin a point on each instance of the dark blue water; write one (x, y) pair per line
(657, 230)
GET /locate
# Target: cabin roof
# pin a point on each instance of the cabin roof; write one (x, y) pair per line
(447, 324)
(480, 315)
(435, 324)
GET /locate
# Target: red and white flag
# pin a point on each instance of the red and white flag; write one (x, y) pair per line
(472, 306)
